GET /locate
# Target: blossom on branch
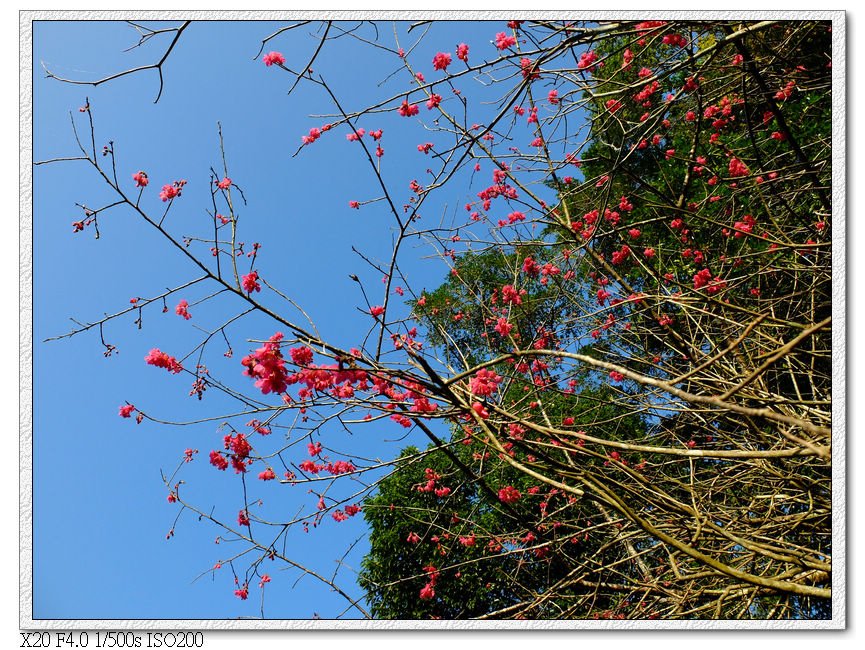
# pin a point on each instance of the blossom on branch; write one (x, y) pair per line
(161, 360)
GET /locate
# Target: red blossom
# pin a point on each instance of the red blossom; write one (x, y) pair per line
(168, 192)
(181, 309)
(441, 61)
(273, 58)
(301, 356)
(587, 60)
(529, 69)
(218, 460)
(433, 101)
(250, 282)
(504, 41)
(738, 168)
(314, 134)
(503, 327)
(509, 494)
(243, 518)
(481, 411)
(485, 382)
(406, 109)
(161, 360)
(267, 366)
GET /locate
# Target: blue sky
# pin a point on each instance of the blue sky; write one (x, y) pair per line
(100, 510)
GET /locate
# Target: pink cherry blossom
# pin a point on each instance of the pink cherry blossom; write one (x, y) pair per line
(407, 110)
(250, 282)
(441, 61)
(169, 192)
(509, 494)
(267, 366)
(272, 58)
(161, 360)
(504, 41)
(181, 309)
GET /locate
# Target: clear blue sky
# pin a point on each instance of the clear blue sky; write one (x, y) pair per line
(100, 510)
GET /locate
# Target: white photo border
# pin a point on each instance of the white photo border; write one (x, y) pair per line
(839, 286)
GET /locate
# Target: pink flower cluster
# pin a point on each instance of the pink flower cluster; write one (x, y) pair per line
(407, 110)
(218, 460)
(485, 382)
(182, 309)
(267, 366)
(587, 60)
(250, 282)
(621, 255)
(301, 356)
(529, 69)
(314, 134)
(504, 41)
(170, 192)
(704, 278)
(441, 61)
(481, 411)
(428, 591)
(738, 168)
(503, 327)
(511, 296)
(350, 511)
(273, 58)
(161, 360)
(509, 494)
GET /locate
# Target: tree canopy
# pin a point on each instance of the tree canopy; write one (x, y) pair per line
(618, 401)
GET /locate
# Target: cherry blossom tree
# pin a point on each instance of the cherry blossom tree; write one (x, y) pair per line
(619, 397)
